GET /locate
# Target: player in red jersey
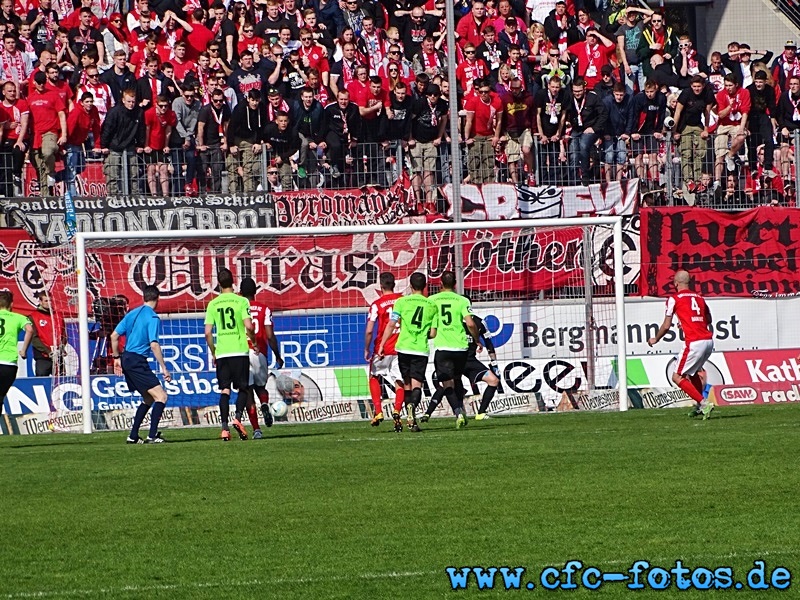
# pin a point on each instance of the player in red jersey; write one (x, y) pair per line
(259, 370)
(695, 320)
(386, 366)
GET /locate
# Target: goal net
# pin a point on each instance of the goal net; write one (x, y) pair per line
(547, 292)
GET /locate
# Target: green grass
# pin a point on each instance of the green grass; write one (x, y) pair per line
(349, 511)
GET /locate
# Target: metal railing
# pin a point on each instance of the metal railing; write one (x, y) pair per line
(674, 170)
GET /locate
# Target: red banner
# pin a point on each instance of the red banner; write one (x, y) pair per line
(26, 270)
(751, 253)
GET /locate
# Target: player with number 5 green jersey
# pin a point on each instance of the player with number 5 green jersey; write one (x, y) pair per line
(227, 313)
(416, 315)
(451, 309)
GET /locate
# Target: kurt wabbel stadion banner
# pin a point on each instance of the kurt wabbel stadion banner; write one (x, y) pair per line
(750, 253)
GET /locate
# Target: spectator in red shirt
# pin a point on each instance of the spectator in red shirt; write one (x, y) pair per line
(57, 85)
(733, 109)
(82, 120)
(49, 117)
(592, 56)
(182, 65)
(313, 55)
(15, 118)
(158, 122)
(482, 131)
(469, 27)
(197, 35)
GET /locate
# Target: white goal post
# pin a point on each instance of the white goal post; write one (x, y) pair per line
(120, 243)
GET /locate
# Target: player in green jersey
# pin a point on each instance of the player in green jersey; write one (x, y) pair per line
(415, 314)
(11, 324)
(451, 341)
(229, 315)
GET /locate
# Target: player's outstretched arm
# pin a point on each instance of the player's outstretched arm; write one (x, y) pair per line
(156, 348)
(115, 352)
(662, 331)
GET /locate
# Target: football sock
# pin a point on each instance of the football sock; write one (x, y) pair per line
(262, 393)
(692, 391)
(155, 417)
(224, 409)
(375, 393)
(452, 399)
(241, 404)
(265, 411)
(434, 401)
(141, 412)
(697, 382)
(399, 398)
(486, 400)
(252, 414)
(416, 396)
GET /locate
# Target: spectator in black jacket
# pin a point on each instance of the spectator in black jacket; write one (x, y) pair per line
(245, 137)
(645, 125)
(119, 78)
(344, 123)
(283, 146)
(311, 127)
(762, 122)
(588, 118)
(618, 105)
(122, 135)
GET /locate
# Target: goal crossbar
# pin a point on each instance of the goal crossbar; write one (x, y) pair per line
(82, 238)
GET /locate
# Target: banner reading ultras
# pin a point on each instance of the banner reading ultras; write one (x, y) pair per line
(640, 575)
(751, 253)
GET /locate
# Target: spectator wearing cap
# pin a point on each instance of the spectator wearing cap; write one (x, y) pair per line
(763, 123)
(628, 37)
(428, 124)
(786, 65)
(275, 103)
(504, 12)
(591, 56)
(512, 35)
(659, 39)
(607, 82)
(739, 61)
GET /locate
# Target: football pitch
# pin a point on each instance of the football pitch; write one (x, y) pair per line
(349, 511)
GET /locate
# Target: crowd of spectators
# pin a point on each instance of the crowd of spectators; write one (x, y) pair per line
(277, 95)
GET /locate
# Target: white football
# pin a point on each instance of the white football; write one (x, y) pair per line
(279, 408)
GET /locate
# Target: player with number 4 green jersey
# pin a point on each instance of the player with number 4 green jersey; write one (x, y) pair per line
(451, 309)
(227, 313)
(416, 315)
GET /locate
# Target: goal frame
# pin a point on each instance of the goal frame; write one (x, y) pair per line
(82, 238)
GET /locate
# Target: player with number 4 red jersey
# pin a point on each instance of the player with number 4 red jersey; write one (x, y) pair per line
(695, 321)
(386, 366)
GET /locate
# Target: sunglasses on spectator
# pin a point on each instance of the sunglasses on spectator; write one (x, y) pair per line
(305, 39)
(394, 51)
(656, 22)
(213, 49)
(278, 55)
(189, 95)
(216, 100)
(484, 91)
(554, 54)
(248, 30)
(163, 105)
(469, 51)
(272, 172)
(93, 75)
